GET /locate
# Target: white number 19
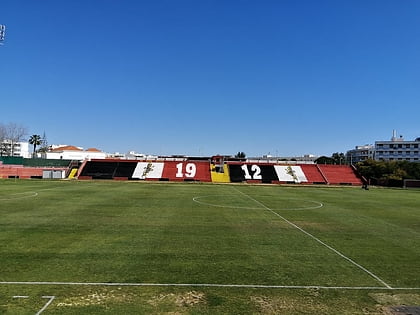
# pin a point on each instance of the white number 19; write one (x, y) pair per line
(190, 170)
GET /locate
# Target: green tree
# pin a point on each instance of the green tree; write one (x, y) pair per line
(324, 160)
(35, 140)
(367, 168)
(339, 158)
(382, 170)
(412, 169)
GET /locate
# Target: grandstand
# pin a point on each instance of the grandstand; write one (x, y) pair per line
(211, 170)
(214, 169)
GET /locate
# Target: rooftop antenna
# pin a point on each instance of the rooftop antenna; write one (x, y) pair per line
(2, 33)
(394, 135)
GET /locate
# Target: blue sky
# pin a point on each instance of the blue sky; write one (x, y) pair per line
(212, 77)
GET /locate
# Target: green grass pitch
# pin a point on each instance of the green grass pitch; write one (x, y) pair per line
(108, 247)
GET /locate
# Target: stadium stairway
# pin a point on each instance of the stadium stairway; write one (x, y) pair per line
(73, 173)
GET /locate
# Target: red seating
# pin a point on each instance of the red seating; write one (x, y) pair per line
(339, 174)
(312, 173)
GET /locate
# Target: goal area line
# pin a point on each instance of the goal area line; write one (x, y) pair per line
(209, 285)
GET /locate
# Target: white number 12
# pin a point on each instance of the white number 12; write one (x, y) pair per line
(254, 168)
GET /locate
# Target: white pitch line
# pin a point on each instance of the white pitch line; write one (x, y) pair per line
(197, 200)
(51, 298)
(214, 285)
(17, 196)
(318, 240)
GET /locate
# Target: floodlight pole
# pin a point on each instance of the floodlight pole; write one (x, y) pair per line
(2, 33)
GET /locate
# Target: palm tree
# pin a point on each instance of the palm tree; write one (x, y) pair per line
(240, 155)
(35, 140)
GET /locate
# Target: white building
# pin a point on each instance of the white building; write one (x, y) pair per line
(20, 149)
(397, 149)
(360, 153)
(132, 155)
(69, 152)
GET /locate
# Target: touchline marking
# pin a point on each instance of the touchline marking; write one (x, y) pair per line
(214, 285)
(317, 239)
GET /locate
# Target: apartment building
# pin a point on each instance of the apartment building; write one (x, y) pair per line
(17, 149)
(395, 149)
